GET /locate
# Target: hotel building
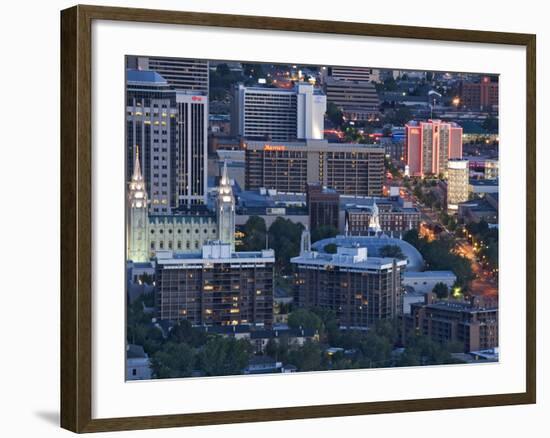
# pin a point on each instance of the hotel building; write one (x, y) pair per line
(278, 114)
(359, 289)
(350, 169)
(429, 146)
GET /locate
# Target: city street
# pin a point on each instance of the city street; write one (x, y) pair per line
(483, 284)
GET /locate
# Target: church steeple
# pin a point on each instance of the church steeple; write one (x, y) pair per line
(225, 210)
(138, 220)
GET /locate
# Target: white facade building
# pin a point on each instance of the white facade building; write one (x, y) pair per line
(279, 114)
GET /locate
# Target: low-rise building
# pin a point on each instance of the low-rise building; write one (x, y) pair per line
(138, 366)
(424, 282)
(473, 324)
(393, 215)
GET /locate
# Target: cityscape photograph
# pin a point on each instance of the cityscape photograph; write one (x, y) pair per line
(285, 218)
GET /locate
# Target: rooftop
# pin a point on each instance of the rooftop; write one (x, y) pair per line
(144, 76)
(415, 262)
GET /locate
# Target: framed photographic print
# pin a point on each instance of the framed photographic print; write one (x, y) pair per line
(268, 219)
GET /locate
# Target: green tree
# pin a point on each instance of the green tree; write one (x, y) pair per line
(392, 251)
(304, 318)
(441, 290)
(255, 234)
(224, 356)
(184, 332)
(323, 232)
(284, 238)
(334, 114)
(330, 248)
(308, 357)
(173, 360)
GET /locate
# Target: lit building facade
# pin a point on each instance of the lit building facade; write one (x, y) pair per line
(350, 169)
(278, 114)
(216, 287)
(225, 210)
(185, 229)
(429, 146)
(458, 173)
(170, 128)
(359, 289)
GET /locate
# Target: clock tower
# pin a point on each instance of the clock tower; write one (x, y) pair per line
(137, 250)
(225, 210)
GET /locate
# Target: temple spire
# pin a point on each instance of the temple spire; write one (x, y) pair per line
(137, 176)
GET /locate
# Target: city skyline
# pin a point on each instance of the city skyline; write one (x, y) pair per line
(290, 218)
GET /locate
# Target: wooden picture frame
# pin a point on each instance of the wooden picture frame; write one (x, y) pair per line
(76, 218)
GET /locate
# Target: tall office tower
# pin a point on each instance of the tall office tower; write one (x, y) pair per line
(360, 290)
(151, 116)
(429, 146)
(457, 184)
(278, 114)
(137, 231)
(216, 287)
(180, 73)
(358, 74)
(481, 95)
(323, 206)
(192, 150)
(225, 210)
(358, 100)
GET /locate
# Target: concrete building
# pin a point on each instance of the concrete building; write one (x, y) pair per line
(351, 169)
(484, 208)
(473, 324)
(323, 207)
(216, 287)
(480, 96)
(151, 126)
(170, 127)
(457, 183)
(278, 114)
(480, 187)
(181, 73)
(357, 99)
(424, 282)
(359, 289)
(192, 152)
(429, 146)
(354, 74)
